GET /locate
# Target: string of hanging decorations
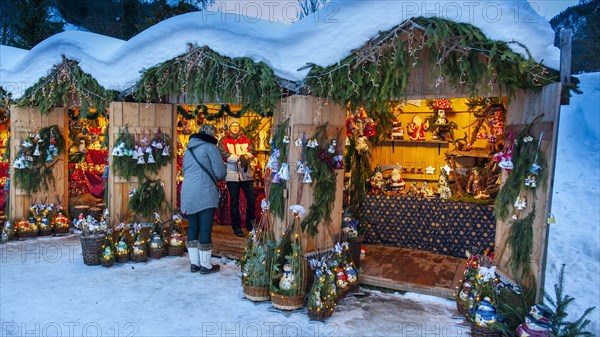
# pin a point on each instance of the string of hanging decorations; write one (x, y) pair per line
(189, 113)
(68, 85)
(203, 75)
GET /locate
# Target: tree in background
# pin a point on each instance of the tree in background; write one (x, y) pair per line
(584, 20)
(308, 7)
(161, 11)
(31, 23)
(130, 19)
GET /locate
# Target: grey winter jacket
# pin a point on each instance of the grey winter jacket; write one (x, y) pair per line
(198, 192)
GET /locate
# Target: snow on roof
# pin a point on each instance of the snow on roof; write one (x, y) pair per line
(322, 38)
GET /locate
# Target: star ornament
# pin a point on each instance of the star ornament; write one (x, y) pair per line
(430, 169)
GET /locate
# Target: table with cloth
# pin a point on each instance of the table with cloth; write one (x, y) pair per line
(434, 225)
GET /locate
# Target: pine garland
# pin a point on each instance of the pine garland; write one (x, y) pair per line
(384, 77)
(203, 75)
(276, 199)
(202, 110)
(65, 80)
(37, 174)
(324, 176)
(520, 240)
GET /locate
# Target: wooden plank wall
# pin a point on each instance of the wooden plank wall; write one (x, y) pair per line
(143, 120)
(306, 113)
(26, 120)
(524, 108)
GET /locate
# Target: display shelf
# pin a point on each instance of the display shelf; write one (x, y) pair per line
(417, 176)
(415, 142)
(477, 153)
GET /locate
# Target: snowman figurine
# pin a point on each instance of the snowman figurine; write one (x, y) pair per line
(485, 314)
(350, 274)
(287, 280)
(122, 247)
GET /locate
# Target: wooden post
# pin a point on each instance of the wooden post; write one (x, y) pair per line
(565, 61)
(305, 114)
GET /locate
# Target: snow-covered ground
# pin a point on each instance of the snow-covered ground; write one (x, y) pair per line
(46, 290)
(575, 238)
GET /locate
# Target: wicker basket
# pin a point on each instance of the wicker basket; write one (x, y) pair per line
(175, 251)
(257, 294)
(287, 302)
(319, 315)
(61, 230)
(143, 257)
(46, 232)
(91, 248)
(461, 306)
(156, 253)
(107, 263)
(480, 331)
(27, 234)
(122, 258)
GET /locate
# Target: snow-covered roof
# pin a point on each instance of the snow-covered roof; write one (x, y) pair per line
(323, 38)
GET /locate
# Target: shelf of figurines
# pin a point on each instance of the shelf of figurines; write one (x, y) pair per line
(416, 142)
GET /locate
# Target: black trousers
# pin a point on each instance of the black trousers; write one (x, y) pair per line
(234, 202)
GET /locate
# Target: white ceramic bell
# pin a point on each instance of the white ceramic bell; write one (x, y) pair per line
(300, 166)
(307, 179)
(284, 172)
(151, 159)
(141, 160)
(165, 151)
(37, 151)
(135, 155)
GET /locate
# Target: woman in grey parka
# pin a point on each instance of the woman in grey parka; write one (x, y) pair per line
(199, 196)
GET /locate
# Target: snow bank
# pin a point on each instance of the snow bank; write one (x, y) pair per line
(575, 238)
(323, 38)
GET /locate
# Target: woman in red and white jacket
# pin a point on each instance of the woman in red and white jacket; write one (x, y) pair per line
(238, 151)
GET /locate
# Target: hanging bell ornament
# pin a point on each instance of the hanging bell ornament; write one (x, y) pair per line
(284, 172)
(276, 179)
(151, 158)
(136, 154)
(286, 139)
(520, 203)
(300, 167)
(307, 179)
(148, 149)
(49, 157)
(37, 151)
(141, 160)
(165, 151)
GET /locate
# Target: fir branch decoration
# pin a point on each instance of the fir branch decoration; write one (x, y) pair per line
(520, 240)
(457, 47)
(65, 80)
(524, 154)
(276, 199)
(324, 176)
(561, 327)
(203, 75)
(149, 198)
(358, 164)
(36, 159)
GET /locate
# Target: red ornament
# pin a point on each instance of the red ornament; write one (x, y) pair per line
(442, 104)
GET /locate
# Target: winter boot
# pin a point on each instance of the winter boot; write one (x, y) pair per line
(237, 231)
(192, 248)
(205, 253)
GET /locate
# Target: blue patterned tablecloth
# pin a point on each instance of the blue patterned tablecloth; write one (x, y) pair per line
(435, 225)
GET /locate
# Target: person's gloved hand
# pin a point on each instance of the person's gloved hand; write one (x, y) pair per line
(244, 162)
(233, 158)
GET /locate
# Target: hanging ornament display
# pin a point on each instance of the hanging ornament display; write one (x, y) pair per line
(284, 172)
